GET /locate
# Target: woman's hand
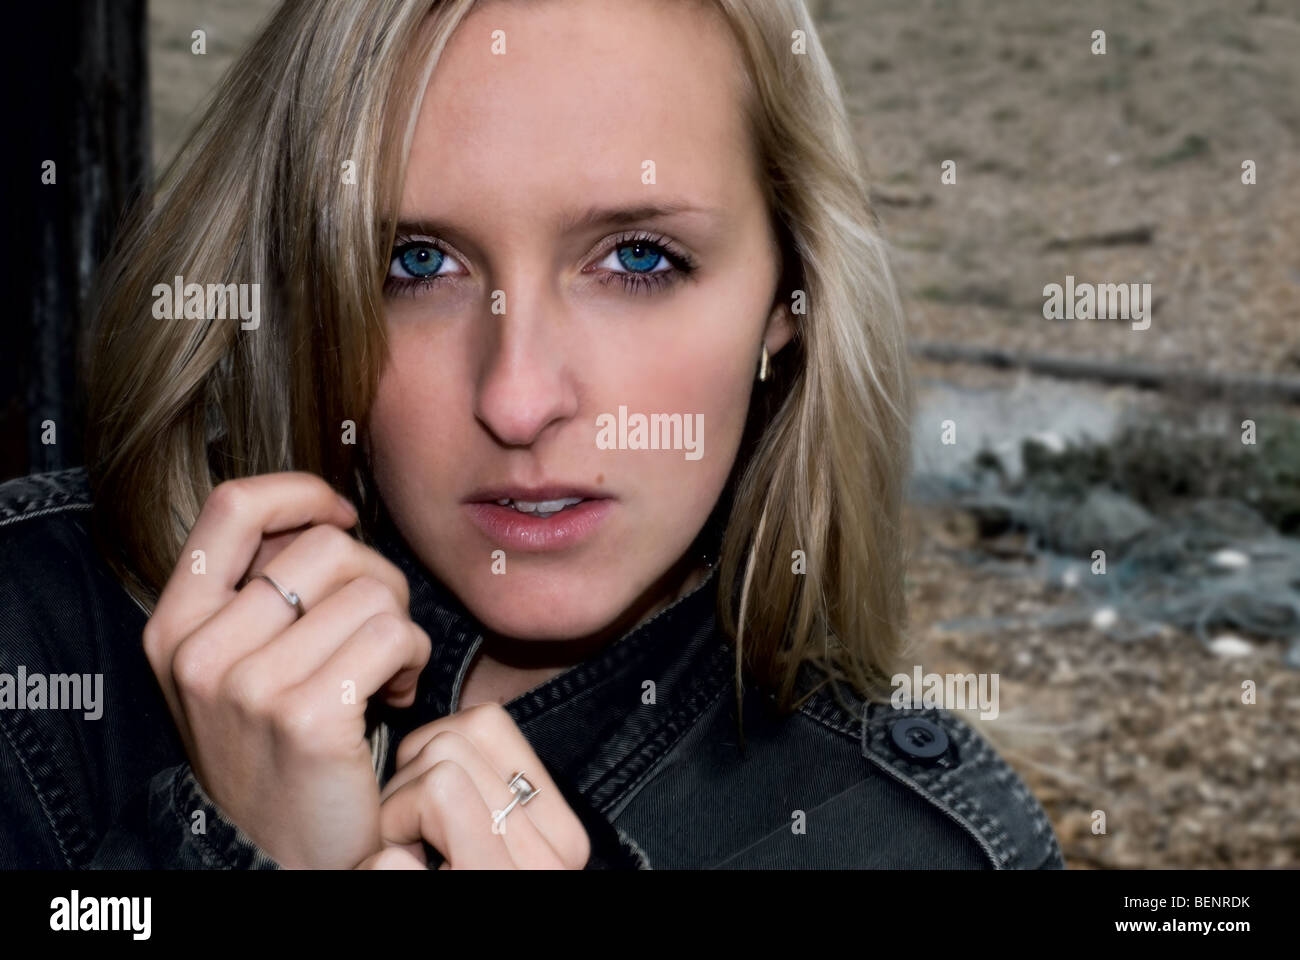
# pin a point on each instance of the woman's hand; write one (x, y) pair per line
(450, 785)
(271, 707)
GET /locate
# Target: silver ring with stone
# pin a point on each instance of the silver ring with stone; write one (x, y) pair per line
(290, 597)
(523, 791)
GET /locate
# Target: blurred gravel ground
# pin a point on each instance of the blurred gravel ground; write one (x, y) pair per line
(1051, 141)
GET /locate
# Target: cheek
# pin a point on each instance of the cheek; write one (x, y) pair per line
(385, 438)
(706, 369)
(408, 420)
(713, 364)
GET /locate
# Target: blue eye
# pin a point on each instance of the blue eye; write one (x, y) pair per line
(639, 256)
(418, 265)
(418, 260)
(645, 263)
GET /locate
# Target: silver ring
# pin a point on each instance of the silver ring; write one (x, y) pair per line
(291, 598)
(523, 791)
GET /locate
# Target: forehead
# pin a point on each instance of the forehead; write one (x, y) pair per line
(585, 92)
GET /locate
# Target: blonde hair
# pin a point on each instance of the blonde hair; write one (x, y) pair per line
(256, 195)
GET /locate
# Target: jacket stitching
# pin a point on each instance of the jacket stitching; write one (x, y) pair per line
(1008, 778)
(33, 780)
(206, 853)
(954, 787)
(53, 493)
(1042, 826)
(635, 849)
(60, 508)
(651, 753)
(660, 742)
(50, 493)
(947, 791)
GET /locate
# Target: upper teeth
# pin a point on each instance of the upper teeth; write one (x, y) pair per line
(545, 507)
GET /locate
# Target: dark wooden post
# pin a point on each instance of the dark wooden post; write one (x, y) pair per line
(80, 101)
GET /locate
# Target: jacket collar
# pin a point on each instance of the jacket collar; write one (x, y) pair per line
(600, 722)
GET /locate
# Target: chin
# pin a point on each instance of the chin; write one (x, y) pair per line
(540, 606)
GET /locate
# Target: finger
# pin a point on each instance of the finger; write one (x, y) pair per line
(272, 545)
(228, 533)
(232, 523)
(392, 858)
(443, 807)
(388, 650)
(528, 847)
(300, 651)
(318, 563)
(493, 731)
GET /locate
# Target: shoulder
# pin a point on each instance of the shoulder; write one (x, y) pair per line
(47, 554)
(947, 764)
(45, 540)
(53, 581)
(82, 722)
(839, 783)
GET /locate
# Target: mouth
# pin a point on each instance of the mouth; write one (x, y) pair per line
(548, 499)
(540, 508)
(539, 518)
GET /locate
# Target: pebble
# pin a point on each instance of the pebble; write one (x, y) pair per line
(1226, 645)
(1230, 559)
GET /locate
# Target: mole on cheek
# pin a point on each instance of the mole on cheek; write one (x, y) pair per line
(600, 478)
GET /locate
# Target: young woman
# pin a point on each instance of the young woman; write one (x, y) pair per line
(530, 498)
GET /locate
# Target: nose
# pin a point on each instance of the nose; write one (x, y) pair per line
(525, 385)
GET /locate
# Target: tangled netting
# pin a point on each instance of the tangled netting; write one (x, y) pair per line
(1209, 565)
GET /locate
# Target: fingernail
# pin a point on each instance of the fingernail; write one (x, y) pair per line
(347, 504)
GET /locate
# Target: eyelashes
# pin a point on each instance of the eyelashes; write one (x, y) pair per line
(631, 251)
(642, 262)
(416, 265)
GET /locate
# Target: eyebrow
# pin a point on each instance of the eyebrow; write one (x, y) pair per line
(621, 216)
(587, 219)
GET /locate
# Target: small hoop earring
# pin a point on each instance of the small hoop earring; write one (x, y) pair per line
(763, 365)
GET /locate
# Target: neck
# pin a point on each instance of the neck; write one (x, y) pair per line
(506, 667)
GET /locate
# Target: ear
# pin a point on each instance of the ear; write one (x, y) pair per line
(780, 328)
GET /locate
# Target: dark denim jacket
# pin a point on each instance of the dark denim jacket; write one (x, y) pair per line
(658, 785)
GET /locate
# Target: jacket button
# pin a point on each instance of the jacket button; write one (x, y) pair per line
(918, 738)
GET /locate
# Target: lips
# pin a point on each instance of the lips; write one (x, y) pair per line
(518, 524)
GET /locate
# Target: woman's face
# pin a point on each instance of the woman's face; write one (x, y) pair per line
(582, 233)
